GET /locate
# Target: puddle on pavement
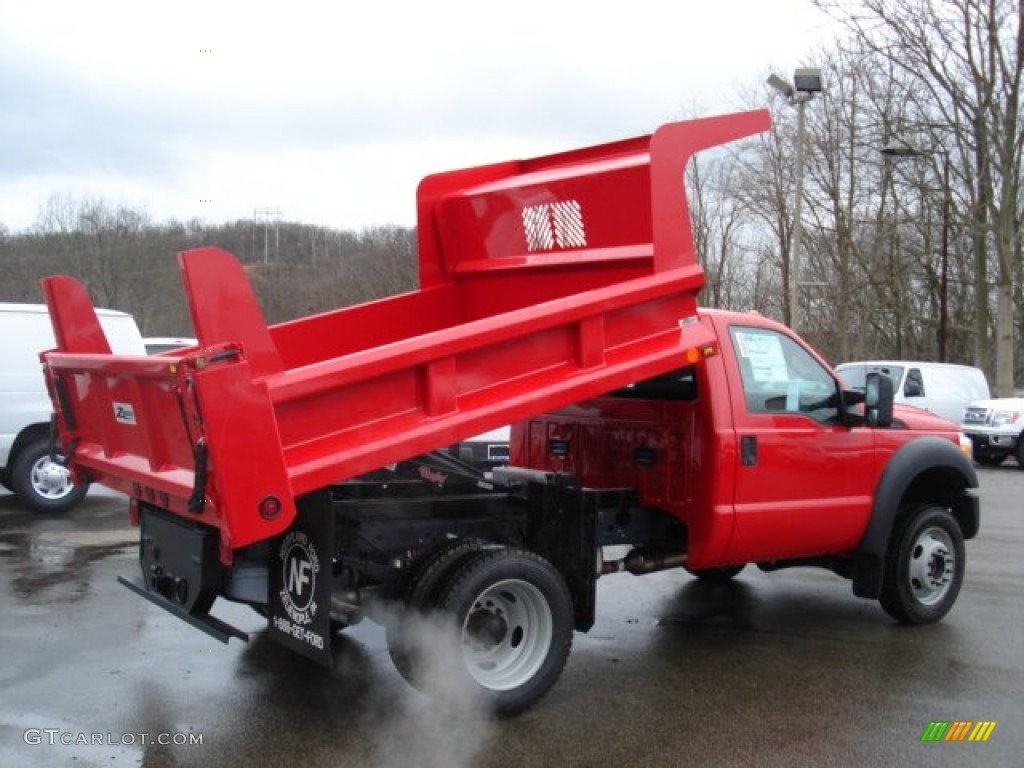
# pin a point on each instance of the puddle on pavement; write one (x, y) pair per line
(48, 559)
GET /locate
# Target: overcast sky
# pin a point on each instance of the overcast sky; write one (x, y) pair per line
(331, 112)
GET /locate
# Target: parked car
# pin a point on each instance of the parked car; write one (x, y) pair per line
(26, 467)
(945, 389)
(157, 344)
(996, 430)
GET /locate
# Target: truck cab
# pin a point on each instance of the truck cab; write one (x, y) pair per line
(757, 454)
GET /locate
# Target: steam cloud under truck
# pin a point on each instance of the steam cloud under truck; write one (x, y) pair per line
(290, 466)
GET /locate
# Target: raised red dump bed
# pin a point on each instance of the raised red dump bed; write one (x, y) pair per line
(542, 282)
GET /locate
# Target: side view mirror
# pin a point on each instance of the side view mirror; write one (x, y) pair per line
(878, 398)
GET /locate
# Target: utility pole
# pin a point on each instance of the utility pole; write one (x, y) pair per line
(806, 83)
(268, 214)
(798, 220)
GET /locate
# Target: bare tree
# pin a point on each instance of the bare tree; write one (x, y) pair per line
(764, 185)
(965, 60)
(725, 244)
(128, 263)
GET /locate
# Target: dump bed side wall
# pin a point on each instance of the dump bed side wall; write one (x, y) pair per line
(346, 413)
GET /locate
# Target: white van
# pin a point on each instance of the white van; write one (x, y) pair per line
(25, 466)
(945, 389)
(158, 344)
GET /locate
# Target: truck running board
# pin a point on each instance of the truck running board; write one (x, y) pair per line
(211, 625)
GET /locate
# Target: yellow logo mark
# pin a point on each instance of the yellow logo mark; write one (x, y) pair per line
(982, 730)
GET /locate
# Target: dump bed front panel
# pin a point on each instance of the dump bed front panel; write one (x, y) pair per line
(543, 283)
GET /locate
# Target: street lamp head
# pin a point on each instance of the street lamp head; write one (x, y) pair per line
(807, 80)
(781, 86)
(806, 83)
(901, 150)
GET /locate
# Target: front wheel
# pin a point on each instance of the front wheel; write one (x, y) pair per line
(924, 567)
(43, 485)
(1019, 452)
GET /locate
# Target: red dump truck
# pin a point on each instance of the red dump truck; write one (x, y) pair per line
(293, 466)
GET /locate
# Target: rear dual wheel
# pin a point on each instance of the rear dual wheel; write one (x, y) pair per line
(417, 597)
(497, 630)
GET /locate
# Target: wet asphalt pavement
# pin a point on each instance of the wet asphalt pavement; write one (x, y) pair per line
(783, 669)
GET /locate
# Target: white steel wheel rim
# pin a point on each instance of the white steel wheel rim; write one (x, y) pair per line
(507, 634)
(50, 479)
(931, 566)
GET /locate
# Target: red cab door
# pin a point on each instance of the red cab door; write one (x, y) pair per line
(804, 479)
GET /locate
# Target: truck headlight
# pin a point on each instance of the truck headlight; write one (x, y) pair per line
(1000, 418)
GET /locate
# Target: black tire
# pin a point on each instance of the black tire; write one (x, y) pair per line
(5, 480)
(43, 485)
(924, 567)
(417, 596)
(507, 620)
(717, 575)
(435, 569)
(1019, 452)
(990, 459)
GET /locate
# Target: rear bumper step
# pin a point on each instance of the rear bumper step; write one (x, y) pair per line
(211, 625)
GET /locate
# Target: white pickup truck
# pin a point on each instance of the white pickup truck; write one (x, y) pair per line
(996, 430)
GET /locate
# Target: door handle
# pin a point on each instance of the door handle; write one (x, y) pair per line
(748, 450)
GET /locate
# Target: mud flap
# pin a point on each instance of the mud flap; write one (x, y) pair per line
(301, 581)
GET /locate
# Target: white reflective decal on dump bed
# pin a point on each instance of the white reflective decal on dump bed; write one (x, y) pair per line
(554, 225)
(124, 413)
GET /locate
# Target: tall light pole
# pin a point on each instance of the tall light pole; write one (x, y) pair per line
(806, 83)
(903, 150)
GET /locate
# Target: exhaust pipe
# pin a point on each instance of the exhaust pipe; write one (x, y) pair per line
(641, 560)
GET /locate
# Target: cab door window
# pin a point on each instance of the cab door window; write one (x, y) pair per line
(780, 376)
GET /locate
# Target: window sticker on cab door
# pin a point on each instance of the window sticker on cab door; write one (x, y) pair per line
(764, 353)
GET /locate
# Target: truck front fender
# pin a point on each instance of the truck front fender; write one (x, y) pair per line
(928, 469)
